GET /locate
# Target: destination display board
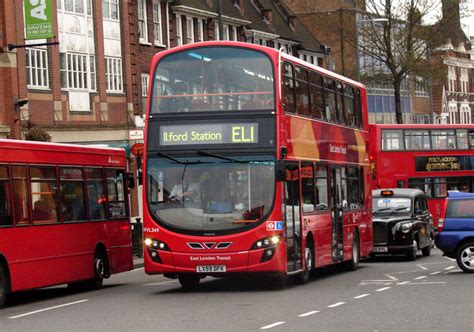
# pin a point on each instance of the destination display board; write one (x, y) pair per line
(444, 163)
(209, 133)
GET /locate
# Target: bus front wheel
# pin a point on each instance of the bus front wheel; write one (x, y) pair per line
(189, 281)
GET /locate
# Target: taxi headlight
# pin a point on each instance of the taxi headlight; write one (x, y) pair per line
(406, 227)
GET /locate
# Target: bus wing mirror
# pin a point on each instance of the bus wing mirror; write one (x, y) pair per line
(280, 170)
(130, 181)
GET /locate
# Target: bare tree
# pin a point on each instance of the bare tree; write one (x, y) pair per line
(401, 45)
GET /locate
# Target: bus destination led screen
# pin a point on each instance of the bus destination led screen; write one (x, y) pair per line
(209, 133)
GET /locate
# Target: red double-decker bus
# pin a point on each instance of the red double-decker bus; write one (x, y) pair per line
(63, 215)
(433, 158)
(255, 162)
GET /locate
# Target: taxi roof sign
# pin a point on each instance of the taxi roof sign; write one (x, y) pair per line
(386, 192)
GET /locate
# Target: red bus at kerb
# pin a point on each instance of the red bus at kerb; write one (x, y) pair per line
(64, 215)
(432, 157)
(255, 162)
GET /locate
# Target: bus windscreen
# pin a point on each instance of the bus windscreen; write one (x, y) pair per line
(213, 79)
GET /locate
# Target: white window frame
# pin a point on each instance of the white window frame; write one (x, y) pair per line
(113, 74)
(200, 28)
(37, 73)
(225, 32)
(142, 21)
(145, 79)
(109, 4)
(157, 23)
(189, 30)
(179, 30)
(216, 30)
(79, 79)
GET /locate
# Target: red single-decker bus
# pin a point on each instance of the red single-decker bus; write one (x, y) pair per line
(63, 215)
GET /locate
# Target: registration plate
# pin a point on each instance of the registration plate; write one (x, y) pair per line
(380, 249)
(210, 268)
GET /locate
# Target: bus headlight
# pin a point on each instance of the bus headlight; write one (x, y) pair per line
(267, 242)
(406, 227)
(152, 247)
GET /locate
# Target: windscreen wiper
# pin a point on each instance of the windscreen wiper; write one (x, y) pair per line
(381, 210)
(218, 156)
(187, 162)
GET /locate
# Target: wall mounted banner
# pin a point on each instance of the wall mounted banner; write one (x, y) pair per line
(38, 19)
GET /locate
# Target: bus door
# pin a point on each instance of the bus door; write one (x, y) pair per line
(293, 217)
(337, 248)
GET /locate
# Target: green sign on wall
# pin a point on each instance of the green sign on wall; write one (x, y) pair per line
(38, 19)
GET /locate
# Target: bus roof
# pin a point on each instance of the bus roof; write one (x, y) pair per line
(422, 126)
(57, 147)
(266, 49)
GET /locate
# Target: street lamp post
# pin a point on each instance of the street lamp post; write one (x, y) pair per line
(357, 40)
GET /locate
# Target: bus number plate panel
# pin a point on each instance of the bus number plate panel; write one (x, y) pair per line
(210, 268)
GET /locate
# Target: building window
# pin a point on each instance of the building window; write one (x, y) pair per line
(225, 32)
(189, 30)
(37, 68)
(77, 71)
(142, 28)
(200, 30)
(452, 78)
(179, 30)
(421, 86)
(157, 22)
(234, 33)
(216, 30)
(113, 74)
(464, 80)
(145, 80)
(110, 9)
(73, 6)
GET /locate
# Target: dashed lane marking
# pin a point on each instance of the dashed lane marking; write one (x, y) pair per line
(382, 289)
(336, 304)
(46, 309)
(449, 268)
(403, 283)
(361, 296)
(434, 273)
(422, 267)
(271, 325)
(308, 313)
(420, 277)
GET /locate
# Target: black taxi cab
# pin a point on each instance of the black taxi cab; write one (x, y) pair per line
(402, 223)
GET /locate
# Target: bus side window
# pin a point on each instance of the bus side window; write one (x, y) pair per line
(322, 194)
(20, 195)
(96, 199)
(358, 109)
(44, 194)
(288, 97)
(72, 194)
(116, 193)
(330, 100)
(340, 103)
(317, 102)
(5, 199)
(348, 114)
(302, 91)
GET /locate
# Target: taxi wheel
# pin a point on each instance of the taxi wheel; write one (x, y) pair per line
(465, 257)
(189, 281)
(411, 255)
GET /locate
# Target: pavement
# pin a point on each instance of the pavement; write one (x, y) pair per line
(137, 262)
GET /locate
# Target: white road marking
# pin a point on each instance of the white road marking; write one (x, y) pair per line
(308, 313)
(420, 277)
(336, 304)
(436, 272)
(46, 309)
(403, 283)
(450, 259)
(426, 283)
(422, 267)
(271, 325)
(137, 269)
(361, 296)
(450, 268)
(382, 289)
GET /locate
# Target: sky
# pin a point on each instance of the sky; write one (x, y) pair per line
(468, 21)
